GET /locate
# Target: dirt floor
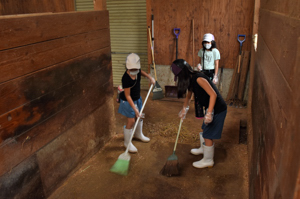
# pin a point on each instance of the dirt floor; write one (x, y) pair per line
(227, 179)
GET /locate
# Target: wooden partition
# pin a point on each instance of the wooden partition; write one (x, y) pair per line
(275, 162)
(225, 19)
(56, 93)
(11, 7)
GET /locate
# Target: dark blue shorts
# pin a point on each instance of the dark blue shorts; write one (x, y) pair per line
(214, 130)
(126, 110)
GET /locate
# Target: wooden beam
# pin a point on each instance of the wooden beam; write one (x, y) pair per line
(33, 6)
(15, 92)
(99, 4)
(25, 30)
(295, 118)
(252, 169)
(20, 61)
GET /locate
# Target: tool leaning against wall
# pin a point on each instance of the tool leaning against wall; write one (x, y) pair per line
(176, 32)
(157, 91)
(237, 84)
(241, 45)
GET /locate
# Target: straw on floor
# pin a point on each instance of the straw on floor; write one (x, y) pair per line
(171, 168)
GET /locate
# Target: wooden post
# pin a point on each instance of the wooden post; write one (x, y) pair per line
(99, 4)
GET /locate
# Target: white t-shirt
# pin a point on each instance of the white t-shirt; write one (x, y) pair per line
(209, 58)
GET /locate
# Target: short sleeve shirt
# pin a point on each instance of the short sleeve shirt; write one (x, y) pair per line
(209, 58)
(134, 85)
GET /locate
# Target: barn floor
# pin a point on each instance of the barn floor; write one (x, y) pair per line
(227, 179)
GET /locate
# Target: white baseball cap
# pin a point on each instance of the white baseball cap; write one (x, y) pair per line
(208, 37)
(133, 61)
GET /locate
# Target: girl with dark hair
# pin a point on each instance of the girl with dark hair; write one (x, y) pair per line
(206, 95)
(209, 57)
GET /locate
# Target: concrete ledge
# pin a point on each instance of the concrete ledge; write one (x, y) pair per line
(165, 77)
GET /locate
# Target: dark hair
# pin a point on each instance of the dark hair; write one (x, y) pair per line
(183, 77)
(213, 44)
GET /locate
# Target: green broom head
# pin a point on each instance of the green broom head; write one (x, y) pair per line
(171, 168)
(157, 92)
(121, 166)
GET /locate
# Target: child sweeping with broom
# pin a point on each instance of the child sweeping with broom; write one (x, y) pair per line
(131, 101)
(207, 95)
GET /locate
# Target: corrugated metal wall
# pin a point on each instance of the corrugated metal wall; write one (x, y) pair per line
(128, 32)
(84, 5)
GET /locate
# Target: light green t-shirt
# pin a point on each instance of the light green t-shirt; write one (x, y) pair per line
(209, 58)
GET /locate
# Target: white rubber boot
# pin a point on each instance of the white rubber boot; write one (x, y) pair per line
(127, 134)
(139, 132)
(199, 151)
(208, 157)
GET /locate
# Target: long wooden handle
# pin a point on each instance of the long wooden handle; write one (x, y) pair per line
(193, 45)
(152, 54)
(239, 64)
(181, 120)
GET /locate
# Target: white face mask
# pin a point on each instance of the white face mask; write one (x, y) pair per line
(134, 72)
(207, 46)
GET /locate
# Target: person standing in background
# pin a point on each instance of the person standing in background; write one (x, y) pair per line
(209, 57)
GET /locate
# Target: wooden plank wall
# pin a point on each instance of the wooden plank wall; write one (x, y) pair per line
(223, 18)
(11, 7)
(56, 97)
(275, 162)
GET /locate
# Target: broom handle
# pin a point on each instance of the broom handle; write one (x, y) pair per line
(181, 120)
(153, 62)
(138, 119)
(193, 44)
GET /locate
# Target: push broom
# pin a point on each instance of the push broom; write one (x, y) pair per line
(157, 91)
(171, 168)
(121, 166)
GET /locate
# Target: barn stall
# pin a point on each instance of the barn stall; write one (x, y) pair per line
(59, 67)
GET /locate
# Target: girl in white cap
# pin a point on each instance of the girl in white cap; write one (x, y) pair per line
(209, 57)
(131, 101)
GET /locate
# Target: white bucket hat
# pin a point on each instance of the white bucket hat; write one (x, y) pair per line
(208, 37)
(133, 61)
